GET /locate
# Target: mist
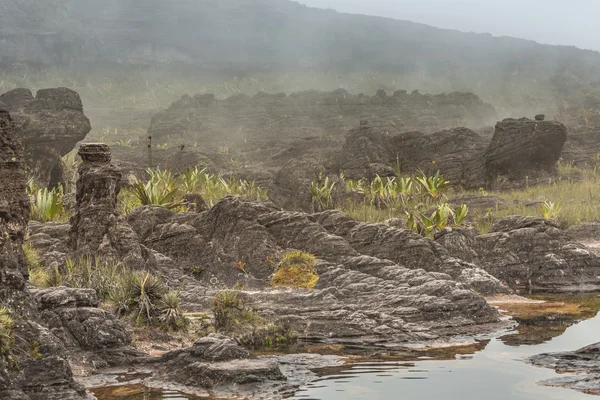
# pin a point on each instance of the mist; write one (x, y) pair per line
(571, 23)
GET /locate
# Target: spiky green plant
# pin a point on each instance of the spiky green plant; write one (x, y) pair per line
(550, 210)
(435, 186)
(321, 192)
(170, 312)
(47, 205)
(156, 192)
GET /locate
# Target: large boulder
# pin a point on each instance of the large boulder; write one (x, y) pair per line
(50, 124)
(524, 145)
(519, 149)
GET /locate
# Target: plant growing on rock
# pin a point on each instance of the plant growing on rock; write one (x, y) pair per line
(321, 192)
(46, 205)
(270, 336)
(7, 337)
(434, 186)
(550, 210)
(443, 216)
(297, 269)
(230, 310)
(233, 316)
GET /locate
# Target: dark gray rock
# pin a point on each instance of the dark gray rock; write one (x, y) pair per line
(50, 124)
(529, 252)
(96, 227)
(50, 378)
(523, 145)
(217, 363)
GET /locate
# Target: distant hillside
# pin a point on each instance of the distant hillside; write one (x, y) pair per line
(281, 35)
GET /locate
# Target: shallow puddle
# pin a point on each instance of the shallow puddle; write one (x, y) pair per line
(492, 370)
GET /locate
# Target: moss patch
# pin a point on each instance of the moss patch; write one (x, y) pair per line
(297, 269)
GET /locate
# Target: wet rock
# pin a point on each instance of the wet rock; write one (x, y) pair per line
(584, 363)
(96, 228)
(50, 379)
(51, 124)
(217, 363)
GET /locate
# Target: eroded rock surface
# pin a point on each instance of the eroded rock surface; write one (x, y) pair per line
(50, 125)
(363, 297)
(50, 378)
(527, 252)
(96, 228)
(219, 364)
(518, 148)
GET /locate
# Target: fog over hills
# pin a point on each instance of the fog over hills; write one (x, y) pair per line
(285, 37)
(545, 21)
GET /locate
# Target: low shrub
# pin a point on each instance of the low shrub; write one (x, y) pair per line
(233, 316)
(140, 296)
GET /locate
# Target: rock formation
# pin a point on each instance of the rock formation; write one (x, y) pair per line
(50, 124)
(518, 148)
(73, 320)
(203, 118)
(521, 146)
(96, 228)
(378, 297)
(528, 252)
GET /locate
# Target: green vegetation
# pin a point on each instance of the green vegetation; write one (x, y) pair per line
(297, 269)
(321, 192)
(571, 199)
(140, 296)
(234, 316)
(46, 205)
(164, 189)
(550, 210)
(443, 216)
(7, 337)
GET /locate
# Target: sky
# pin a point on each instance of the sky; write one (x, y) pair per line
(566, 22)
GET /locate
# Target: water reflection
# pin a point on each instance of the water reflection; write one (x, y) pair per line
(491, 370)
(495, 373)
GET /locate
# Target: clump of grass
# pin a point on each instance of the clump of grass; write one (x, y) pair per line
(233, 315)
(231, 311)
(7, 337)
(270, 336)
(297, 269)
(140, 296)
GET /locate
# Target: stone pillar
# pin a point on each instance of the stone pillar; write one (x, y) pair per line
(97, 230)
(14, 210)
